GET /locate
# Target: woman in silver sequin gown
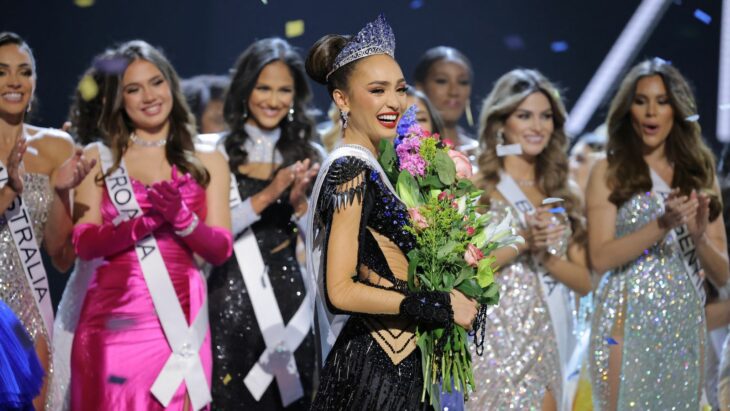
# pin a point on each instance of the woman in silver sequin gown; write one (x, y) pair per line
(49, 168)
(648, 334)
(520, 366)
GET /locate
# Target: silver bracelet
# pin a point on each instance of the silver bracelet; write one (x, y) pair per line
(190, 228)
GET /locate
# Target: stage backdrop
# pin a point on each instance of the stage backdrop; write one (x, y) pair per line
(565, 39)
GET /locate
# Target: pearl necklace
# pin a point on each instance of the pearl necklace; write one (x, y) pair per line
(144, 143)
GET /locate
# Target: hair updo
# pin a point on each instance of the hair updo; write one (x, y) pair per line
(322, 57)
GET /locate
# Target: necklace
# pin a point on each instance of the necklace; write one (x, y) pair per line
(144, 143)
(526, 183)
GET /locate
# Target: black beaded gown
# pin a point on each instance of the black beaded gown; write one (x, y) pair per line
(360, 372)
(237, 339)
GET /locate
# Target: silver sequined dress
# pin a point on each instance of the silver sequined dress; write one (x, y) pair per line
(520, 358)
(14, 288)
(653, 305)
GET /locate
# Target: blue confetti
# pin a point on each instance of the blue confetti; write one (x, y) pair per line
(557, 210)
(611, 341)
(559, 46)
(703, 17)
(514, 42)
(111, 65)
(574, 374)
(117, 380)
(416, 4)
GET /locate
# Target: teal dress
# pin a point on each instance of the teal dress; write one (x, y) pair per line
(653, 304)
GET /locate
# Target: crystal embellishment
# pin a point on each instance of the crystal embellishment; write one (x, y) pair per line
(375, 38)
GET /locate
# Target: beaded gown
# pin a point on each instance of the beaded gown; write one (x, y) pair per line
(520, 359)
(651, 304)
(14, 289)
(237, 339)
(119, 347)
(375, 363)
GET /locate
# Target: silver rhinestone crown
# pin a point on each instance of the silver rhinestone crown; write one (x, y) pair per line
(375, 38)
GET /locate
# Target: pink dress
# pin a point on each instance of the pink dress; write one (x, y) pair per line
(119, 347)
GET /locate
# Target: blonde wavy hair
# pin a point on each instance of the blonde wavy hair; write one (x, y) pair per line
(551, 169)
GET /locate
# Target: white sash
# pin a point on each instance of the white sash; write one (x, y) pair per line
(329, 324)
(184, 363)
(21, 229)
(558, 297)
(681, 239)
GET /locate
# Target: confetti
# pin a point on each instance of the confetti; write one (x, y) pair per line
(574, 374)
(693, 118)
(227, 379)
(111, 65)
(265, 1)
(514, 42)
(611, 341)
(117, 380)
(551, 200)
(88, 88)
(294, 28)
(559, 46)
(702, 16)
(84, 3)
(557, 210)
(416, 4)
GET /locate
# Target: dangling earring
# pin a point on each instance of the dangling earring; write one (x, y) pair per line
(506, 149)
(27, 109)
(290, 116)
(245, 109)
(344, 116)
(469, 116)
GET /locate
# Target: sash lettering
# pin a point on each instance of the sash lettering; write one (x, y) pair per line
(184, 364)
(21, 229)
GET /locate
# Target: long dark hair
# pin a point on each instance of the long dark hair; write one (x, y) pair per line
(436, 54)
(84, 114)
(296, 135)
(8, 37)
(116, 126)
(694, 164)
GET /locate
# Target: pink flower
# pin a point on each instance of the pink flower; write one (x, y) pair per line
(418, 220)
(473, 255)
(448, 143)
(463, 165)
(470, 231)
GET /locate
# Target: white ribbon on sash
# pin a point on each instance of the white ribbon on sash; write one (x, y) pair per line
(559, 298)
(21, 229)
(329, 324)
(681, 239)
(184, 363)
(277, 361)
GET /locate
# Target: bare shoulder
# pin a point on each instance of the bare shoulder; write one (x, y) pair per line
(51, 138)
(211, 158)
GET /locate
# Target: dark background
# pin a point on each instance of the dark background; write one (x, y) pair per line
(206, 37)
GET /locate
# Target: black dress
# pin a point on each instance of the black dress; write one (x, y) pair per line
(237, 339)
(358, 373)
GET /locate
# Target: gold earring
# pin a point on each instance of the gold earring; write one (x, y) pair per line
(469, 116)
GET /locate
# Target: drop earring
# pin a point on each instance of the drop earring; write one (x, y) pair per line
(245, 109)
(344, 116)
(506, 149)
(290, 116)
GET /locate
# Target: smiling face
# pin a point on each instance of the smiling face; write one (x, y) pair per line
(531, 124)
(17, 80)
(422, 115)
(146, 95)
(448, 86)
(271, 97)
(652, 115)
(375, 98)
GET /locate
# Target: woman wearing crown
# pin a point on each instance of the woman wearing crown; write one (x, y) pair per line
(356, 241)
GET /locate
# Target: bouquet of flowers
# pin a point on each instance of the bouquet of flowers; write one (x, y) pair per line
(453, 240)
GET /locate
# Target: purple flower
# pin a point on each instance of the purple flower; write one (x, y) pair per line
(409, 156)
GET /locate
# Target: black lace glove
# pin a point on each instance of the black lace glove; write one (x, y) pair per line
(428, 308)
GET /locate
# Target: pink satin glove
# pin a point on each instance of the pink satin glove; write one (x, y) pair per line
(214, 244)
(102, 240)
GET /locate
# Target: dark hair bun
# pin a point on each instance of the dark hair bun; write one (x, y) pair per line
(322, 56)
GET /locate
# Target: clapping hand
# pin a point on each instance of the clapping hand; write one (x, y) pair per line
(16, 171)
(73, 171)
(304, 172)
(678, 210)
